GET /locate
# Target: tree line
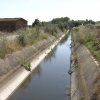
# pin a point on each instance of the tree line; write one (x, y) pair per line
(62, 23)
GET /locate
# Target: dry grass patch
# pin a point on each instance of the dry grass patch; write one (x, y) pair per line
(25, 38)
(90, 36)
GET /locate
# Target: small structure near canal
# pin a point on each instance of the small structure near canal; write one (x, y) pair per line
(12, 24)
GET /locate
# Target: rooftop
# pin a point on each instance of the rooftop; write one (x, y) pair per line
(10, 19)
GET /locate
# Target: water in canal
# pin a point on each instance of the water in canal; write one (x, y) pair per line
(49, 81)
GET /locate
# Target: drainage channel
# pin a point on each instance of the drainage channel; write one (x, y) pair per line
(50, 80)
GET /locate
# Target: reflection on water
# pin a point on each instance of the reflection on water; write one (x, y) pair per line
(50, 79)
(37, 71)
(64, 39)
(51, 55)
(27, 81)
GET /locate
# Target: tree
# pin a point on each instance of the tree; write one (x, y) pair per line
(36, 23)
(60, 20)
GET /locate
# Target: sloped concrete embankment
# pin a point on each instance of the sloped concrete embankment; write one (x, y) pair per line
(84, 70)
(11, 83)
(13, 61)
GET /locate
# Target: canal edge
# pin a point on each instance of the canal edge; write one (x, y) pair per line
(52, 45)
(83, 72)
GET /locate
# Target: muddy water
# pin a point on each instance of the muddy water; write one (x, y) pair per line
(49, 81)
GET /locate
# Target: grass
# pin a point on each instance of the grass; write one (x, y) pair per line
(82, 97)
(94, 51)
(55, 34)
(78, 85)
(90, 44)
(44, 36)
(26, 64)
(23, 63)
(25, 38)
(89, 35)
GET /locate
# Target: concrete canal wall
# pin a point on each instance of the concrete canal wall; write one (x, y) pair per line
(84, 70)
(13, 61)
(35, 54)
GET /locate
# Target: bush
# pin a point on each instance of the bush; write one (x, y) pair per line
(90, 26)
(91, 38)
(7, 47)
(55, 34)
(44, 36)
(51, 29)
(3, 48)
(84, 34)
(76, 29)
(21, 40)
(63, 26)
(97, 26)
(28, 29)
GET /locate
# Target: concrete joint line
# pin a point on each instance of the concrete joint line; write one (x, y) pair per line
(74, 93)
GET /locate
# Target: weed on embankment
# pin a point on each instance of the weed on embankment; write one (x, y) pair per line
(27, 65)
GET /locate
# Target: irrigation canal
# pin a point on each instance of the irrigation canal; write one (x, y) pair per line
(50, 80)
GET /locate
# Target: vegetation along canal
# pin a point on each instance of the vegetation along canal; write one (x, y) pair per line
(50, 80)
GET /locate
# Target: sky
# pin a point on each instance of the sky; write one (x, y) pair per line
(46, 10)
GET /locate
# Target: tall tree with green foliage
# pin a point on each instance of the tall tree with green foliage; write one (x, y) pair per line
(36, 23)
(60, 20)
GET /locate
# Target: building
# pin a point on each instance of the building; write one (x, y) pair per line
(12, 24)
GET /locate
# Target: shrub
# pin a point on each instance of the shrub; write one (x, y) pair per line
(44, 36)
(89, 44)
(55, 34)
(90, 26)
(75, 29)
(21, 40)
(84, 34)
(91, 38)
(63, 26)
(28, 29)
(51, 29)
(97, 26)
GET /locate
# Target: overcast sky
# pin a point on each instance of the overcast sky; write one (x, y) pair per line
(46, 10)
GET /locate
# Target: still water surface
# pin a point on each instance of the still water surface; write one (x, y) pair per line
(49, 81)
